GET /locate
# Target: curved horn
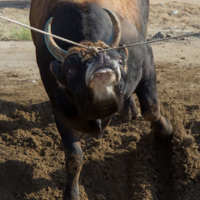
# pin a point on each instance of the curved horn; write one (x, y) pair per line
(116, 33)
(53, 48)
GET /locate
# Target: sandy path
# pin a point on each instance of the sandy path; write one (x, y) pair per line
(181, 1)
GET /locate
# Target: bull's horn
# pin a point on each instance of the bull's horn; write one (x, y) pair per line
(116, 33)
(53, 48)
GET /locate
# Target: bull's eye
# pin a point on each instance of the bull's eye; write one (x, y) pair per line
(69, 72)
(90, 61)
(120, 61)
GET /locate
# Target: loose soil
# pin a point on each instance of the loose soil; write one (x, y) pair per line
(128, 162)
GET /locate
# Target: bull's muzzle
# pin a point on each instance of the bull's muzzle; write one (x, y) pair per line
(102, 70)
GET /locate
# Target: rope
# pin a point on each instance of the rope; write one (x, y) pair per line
(43, 32)
(93, 50)
(152, 41)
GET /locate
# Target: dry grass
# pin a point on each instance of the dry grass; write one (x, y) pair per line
(20, 33)
(9, 31)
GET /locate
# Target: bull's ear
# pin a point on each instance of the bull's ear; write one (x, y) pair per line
(124, 53)
(55, 68)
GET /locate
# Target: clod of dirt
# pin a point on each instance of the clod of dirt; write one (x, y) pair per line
(159, 35)
(100, 197)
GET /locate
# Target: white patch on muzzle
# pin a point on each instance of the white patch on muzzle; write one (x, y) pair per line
(104, 93)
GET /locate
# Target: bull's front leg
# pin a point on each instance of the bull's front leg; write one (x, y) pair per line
(150, 108)
(130, 110)
(73, 158)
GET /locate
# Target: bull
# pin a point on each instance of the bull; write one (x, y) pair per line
(86, 89)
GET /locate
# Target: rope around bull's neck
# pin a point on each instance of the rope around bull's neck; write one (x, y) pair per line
(94, 50)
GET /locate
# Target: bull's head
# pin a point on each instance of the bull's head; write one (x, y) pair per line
(95, 81)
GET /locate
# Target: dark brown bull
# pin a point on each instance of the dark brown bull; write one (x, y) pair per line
(87, 89)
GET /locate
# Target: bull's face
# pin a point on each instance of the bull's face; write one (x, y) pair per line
(95, 81)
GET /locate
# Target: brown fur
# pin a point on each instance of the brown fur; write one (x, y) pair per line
(130, 9)
(83, 51)
(125, 68)
(86, 55)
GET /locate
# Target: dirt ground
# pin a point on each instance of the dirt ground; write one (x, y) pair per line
(128, 162)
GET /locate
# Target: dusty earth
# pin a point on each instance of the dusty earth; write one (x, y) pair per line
(128, 162)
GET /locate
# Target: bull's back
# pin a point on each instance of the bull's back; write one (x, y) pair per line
(136, 11)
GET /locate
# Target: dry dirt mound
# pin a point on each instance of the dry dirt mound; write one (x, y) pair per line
(128, 162)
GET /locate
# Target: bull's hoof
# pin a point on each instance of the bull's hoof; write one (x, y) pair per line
(71, 193)
(126, 118)
(136, 115)
(129, 111)
(162, 128)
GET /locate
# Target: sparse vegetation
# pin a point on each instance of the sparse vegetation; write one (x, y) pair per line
(9, 31)
(20, 33)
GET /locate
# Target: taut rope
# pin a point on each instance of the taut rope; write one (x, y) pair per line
(94, 50)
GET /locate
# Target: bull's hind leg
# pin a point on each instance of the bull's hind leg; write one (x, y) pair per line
(150, 108)
(129, 110)
(73, 158)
